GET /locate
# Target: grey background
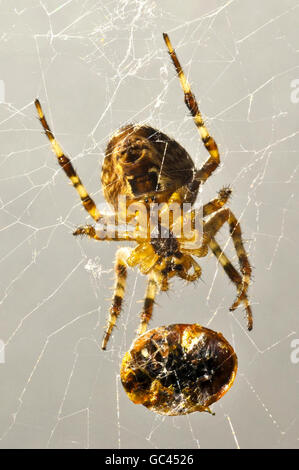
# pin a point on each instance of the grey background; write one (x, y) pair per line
(96, 65)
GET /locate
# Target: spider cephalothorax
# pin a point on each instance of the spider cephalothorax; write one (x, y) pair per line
(145, 166)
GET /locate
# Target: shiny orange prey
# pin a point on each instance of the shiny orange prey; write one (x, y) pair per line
(178, 369)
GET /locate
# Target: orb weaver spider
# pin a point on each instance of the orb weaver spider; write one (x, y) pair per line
(146, 165)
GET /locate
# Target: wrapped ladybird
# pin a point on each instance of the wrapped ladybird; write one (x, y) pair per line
(178, 369)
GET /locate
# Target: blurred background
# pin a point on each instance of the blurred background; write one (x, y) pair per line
(97, 65)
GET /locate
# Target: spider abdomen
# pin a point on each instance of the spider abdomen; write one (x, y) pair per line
(140, 161)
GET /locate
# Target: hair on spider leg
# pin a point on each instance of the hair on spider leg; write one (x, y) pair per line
(194, 283)
(232, 310)
(109, 299)
(252, 277)
(225, 193)
(141, 301)
(88, 230)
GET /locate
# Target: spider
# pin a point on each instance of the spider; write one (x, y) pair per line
(143, 164)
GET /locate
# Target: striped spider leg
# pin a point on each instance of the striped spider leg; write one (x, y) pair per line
(214, 225)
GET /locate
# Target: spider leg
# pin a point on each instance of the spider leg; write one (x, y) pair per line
(67, 167)
(212, 163)
(234, 276)
(119, 290)
(208, 209)
(183, 274)
(211, 228)
(218, 203)
(92, 232)
(149, 300)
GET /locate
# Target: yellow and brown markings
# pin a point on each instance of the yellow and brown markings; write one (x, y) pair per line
(149, 300)
(211, 228)
(119, 290)
(191, 103)
(236, 279)
(178, 369)
(67, 167)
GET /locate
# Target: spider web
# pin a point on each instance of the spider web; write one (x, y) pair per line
(96, 65)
